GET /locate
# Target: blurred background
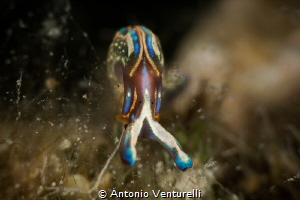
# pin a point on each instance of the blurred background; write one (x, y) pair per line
(231, 98)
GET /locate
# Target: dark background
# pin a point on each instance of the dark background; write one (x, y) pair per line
(69, 57)
(53, 84)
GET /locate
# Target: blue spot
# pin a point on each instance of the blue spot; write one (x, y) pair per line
(183, 165)
(127, 100)
(127, 155)
(132, 117)
(158, 100)
(149, 45)
(135, 40)
(149, 41)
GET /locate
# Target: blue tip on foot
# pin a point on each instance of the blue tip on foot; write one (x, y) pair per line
(183, 162)
(128, 151)
(127, 157)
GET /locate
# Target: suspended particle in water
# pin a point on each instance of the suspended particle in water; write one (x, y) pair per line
(51, 83)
